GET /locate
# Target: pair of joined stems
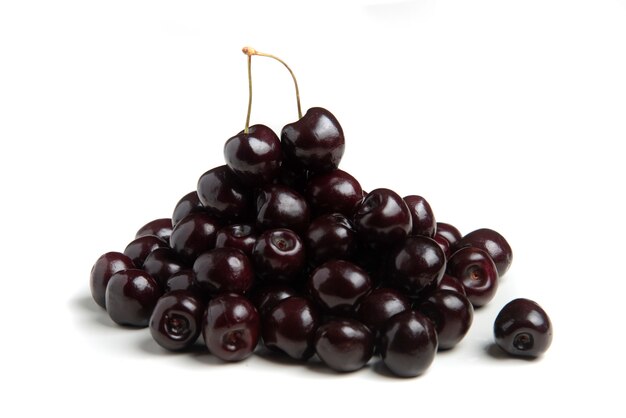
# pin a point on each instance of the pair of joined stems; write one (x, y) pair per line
(249, 51)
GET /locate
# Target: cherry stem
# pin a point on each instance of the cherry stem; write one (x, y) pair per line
(246, 129)
(249, 51)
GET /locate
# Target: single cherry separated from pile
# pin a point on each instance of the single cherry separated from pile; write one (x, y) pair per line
(280, 247)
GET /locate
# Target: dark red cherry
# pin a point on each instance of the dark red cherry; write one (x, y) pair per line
(193, 235)
(290, 327)
(281, 207)
(334, 192)
(477, 273)
(240, 236)
(131, 296)
(161, 228)
(254, 156)
(189, 203)
(408, 344)
(161, 264)
(523, 328)
(422, 216)
(451, 313)
(315, 142)
(450, 233)
(417, 266)
(443, 244)
(338, 285)
(278, 255)
(345, 345)
(450, 283)
(182, 280)
(139, 248)
(380, 305)
(176, 321)
(231, 327)
(268, 296)
(106, 266)
(493, 244)
(382, 219)
(223, 195)
(223, 270)
(329, 237)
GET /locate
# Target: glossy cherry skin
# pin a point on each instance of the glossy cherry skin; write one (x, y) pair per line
(268, 296)
(382, 219)
(380, 305)
(334, 192)
(417, 266)
(193, 235)
(281, 207)
(139, 248)
(176, 321)
(278, 255)
(240, 236)
(231, 327)
(290, 327)
(477, 273)
(330, 236)
(131, 296)
(189, 203)
(338, 285)
(106, 266)
(443, 244)
(408, 344)
(161, 264)
(450, 283)
(254, 156)
(223, 270)
(315, 142)
(183, 280)
(523, 328)
(345, 345)
(161, 228)
(422, 216)
(223, 195)
(450, 233)
(493, 244)
(451, 313)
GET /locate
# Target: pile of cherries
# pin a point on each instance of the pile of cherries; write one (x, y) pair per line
(280, 246)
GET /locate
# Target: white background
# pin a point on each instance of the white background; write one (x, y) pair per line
(503, 114)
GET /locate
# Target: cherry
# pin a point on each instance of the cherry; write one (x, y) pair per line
(523, 328)
(422, 216)
(223, 195)
(254, 156)
(417, 266)
(380, 305)
(161, 228)
(293, 176)
(240, 236)
(338, 285)
(278, 255)
(231, 327)
(290, 327)
(281, 207)
(189, 203)
(451, 313)
(131, 296)
(382, 219)
(443, 244)
(161, 264)
(223, 270)
(450, 233)
(334, 192)
(139, 248)
(329, 237)
(345, 345)
(268, 296)
(106, 266)
(493, 244)
(477, 273)
(450, 283)
(182, 280)
(175, 323)
(408, 344)
(193, 235)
